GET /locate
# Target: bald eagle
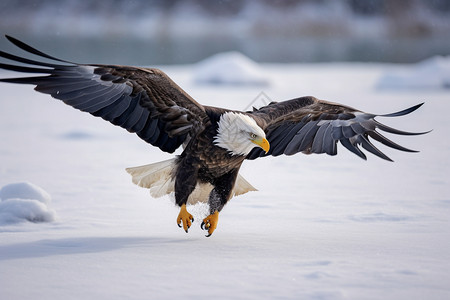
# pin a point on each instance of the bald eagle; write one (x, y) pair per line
(215, 141)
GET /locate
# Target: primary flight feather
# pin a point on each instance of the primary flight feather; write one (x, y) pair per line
(216, 141)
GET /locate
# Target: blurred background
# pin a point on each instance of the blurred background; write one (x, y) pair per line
(154, 32)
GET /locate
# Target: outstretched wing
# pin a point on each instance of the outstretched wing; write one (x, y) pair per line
(310, 125)
(144, 101)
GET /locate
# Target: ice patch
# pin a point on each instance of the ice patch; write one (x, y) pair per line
(379, 217)
(230, 68)
(317, 275)
(76, 135)
(432, 73)
(24, 202)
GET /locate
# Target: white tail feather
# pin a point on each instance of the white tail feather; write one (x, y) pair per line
(158, 178)
(242, 186)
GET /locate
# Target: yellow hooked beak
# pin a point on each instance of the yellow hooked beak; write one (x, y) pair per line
(263, 143)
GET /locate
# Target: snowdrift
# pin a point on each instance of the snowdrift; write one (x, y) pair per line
(24, 202)
(230, 68)
(432, 73)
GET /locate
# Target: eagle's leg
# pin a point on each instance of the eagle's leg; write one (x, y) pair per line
(218, 197)
(210, 222)
(185, 182)
(184, 217)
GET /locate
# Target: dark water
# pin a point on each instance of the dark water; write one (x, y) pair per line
(134, 51)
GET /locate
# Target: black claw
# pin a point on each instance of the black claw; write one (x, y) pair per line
(202, 226)
(208, 235)
(179, 225)
(186, 231)
(192, 220)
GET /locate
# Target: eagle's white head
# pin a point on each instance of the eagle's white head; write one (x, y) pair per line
(239, 134)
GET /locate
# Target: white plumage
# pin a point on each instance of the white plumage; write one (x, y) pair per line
(235, 133)
(158, 179)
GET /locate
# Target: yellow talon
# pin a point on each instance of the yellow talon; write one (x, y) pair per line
(185, 217)
(210, 223)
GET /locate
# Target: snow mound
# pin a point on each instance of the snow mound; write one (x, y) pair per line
(24, 202)
(24, 190)
(230, 68)
(432, 73)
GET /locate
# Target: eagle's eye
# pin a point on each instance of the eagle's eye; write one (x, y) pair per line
(252, 136)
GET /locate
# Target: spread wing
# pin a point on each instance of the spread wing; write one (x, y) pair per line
(310, 125)
(144, 101)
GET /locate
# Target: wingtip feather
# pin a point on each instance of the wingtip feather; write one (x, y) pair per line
(404, 111)
(32, 50)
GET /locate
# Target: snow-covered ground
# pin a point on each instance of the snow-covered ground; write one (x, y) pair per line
(319, 227)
